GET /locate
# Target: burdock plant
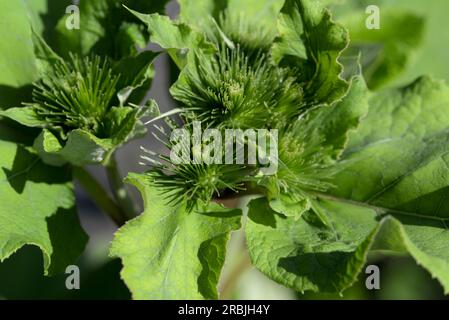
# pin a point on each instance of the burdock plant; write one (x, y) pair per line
(84, 103)
(356, 171)
(228, 89)
(90, 104)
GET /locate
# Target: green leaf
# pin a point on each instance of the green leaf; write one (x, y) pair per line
(200, 12)
(17, 66)
(177, 37)
(305, 254)
(83, 148)
(44, 16)
(106, 28)
(424, 238)
(37, 207)
(405, 130)
(43, 58)
(312, 42)
(311, 256)
(290, 206)
(394, 176)
(430, 58)
(398, 162)
(334, 123)
(123, 124)
(385, 52)
(170, 253)
(14, 132)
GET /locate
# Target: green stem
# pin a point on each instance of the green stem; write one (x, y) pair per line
(119, 189)
(99, 195)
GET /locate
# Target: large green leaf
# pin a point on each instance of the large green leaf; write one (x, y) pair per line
(406, 130)
(137, 74)
(43, 56)
(37, 207)
(17, 66)
(395, 171)
(305, 254)
(398, 161)
(310, 41)
(17, 60)
(170, 253)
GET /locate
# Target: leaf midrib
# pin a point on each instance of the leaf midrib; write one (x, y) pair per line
(377, 209)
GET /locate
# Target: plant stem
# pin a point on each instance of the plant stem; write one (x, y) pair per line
(238, 269)
(119, 189)
(99, 195)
